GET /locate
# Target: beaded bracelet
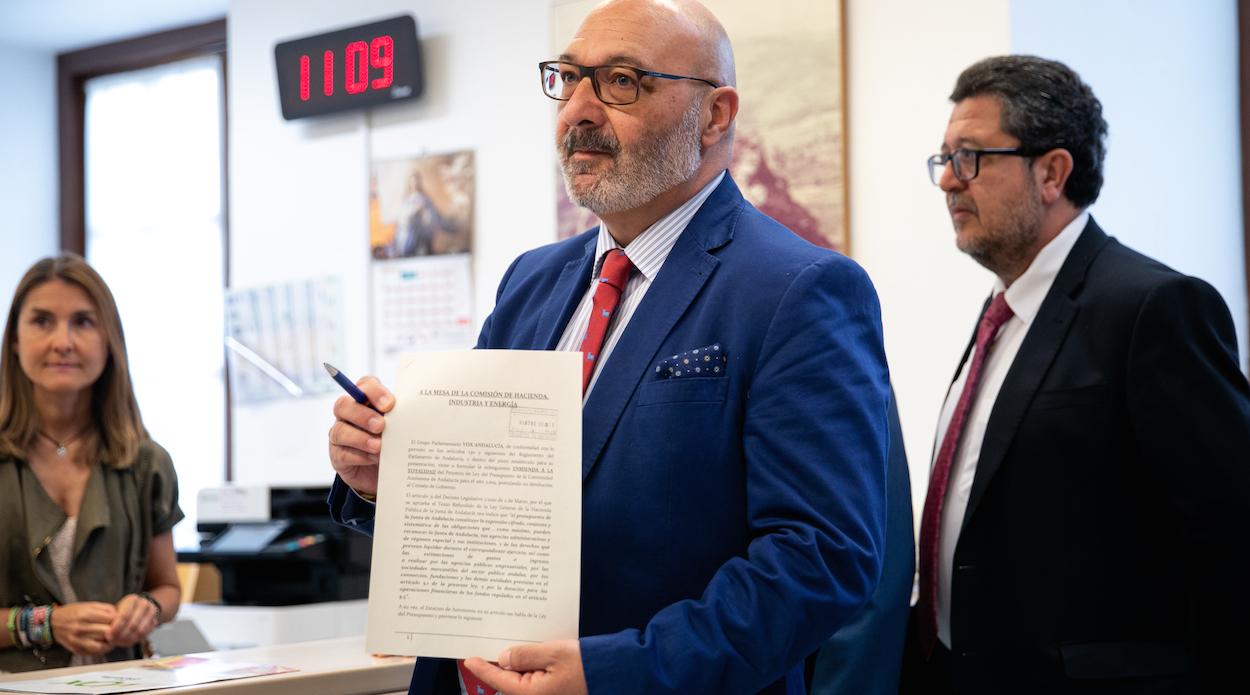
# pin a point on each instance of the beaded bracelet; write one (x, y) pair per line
(51, 638)
(41, 626)
(155, 604)
(12, 625)
(30, 627)
(38, 614)
(23, 628)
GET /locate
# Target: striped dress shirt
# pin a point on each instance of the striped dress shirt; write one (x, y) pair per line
(647, 252)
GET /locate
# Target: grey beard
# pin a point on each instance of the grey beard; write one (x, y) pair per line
(639, 174)
(1007, 251)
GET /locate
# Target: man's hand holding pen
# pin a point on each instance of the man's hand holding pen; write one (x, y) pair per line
(356, 435)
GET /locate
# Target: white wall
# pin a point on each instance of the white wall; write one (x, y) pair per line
(28, 185)
(1166, 73)
(298, 190)
(902, 58)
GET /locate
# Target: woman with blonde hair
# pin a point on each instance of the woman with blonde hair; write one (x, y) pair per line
(87, 564)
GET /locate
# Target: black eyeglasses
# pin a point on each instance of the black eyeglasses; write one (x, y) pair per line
(614, 84)
(967, 163)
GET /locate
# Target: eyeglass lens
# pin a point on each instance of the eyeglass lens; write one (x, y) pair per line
(614, 85)
(964, 162)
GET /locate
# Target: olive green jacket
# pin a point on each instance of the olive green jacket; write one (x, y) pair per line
(122, 511)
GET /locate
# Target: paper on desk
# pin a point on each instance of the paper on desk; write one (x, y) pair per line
(477, 538)
(161, 673)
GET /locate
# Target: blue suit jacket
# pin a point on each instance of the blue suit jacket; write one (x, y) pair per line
(864, 656)
(729, 523)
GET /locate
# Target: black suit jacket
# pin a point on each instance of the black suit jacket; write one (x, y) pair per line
(1104, 547)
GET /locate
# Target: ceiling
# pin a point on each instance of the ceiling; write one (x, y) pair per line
(55, 26)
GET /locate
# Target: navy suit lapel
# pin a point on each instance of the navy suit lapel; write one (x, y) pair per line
(565, 296)
(1050, 328)
(684, 273)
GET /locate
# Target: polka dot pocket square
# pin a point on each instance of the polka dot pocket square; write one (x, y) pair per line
(709, 360)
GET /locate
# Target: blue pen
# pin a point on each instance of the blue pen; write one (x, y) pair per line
(358, 395)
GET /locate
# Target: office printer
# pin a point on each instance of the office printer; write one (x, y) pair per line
(276, 546)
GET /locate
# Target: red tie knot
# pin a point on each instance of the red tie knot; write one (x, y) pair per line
(616, 267)
(995, 316)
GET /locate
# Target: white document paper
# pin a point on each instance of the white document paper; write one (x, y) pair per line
(477, 538)
(172, 672)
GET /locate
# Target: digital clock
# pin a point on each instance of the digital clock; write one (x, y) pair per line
(353, 68)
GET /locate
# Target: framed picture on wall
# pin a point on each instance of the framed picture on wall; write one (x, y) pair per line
(790, 141)
(421, 206)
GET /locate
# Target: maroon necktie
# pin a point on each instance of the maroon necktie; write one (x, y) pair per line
(993, 319)
(612, 279)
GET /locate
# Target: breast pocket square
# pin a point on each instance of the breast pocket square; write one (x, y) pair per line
(709, 360)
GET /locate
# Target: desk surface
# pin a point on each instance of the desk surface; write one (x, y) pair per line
(334, 667)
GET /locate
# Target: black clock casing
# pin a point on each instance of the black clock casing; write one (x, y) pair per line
(370, 64)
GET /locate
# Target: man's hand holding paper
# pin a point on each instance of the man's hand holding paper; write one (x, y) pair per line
(550, 668)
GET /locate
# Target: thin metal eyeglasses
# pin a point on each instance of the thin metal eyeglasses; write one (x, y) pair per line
(614, 84)
(967, 163)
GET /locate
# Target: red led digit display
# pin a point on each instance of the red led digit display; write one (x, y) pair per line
(358, 67)
(382, 57)
(327, 74)
(357, 82)
(303, 78)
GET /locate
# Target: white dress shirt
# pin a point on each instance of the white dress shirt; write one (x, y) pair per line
(647, 252)
(1024, 297)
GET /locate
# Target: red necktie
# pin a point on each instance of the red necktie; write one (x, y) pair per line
(993, 319)
(472, 685)
(612, 279)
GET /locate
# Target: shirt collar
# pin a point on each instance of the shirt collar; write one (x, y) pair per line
(649, 250)
(1026, 294)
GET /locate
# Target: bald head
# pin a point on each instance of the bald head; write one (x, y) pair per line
(634, 161)
(686, 32)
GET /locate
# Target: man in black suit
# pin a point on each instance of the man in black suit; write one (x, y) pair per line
(1085, 528)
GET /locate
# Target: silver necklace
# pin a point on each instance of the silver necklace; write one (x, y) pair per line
(62, 448)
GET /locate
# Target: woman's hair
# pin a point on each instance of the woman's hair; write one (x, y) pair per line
(114, 411)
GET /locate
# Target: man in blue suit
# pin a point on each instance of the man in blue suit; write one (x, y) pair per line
(735, 421)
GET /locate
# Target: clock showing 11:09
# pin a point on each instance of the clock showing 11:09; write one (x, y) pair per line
(353, 68)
